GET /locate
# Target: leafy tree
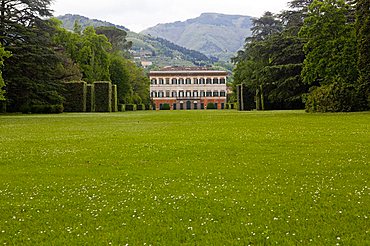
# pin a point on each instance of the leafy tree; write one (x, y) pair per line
(3, 54)
(286, 88)
(256, 56)
(89, 50)
(331, 44)
(120, 76)
(31, 74)
(16, 15)
(93, 56)
(363, 47)
(265, 26)
(77, 28)
(117, 37)
(293, 18)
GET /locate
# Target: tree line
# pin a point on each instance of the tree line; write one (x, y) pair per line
(313, 55)
(38, 56)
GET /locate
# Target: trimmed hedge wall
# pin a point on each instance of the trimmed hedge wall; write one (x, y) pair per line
(114, 99)
(75, 96)
(43, 109)
(103, 96)
(130, 107)
(90, 98)
(140, 107)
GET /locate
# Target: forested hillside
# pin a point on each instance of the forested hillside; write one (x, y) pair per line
(69, 20)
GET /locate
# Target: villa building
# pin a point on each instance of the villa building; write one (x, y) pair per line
(188, 88)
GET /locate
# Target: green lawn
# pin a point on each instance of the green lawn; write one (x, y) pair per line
(185, 177)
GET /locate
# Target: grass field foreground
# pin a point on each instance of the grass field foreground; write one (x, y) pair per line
(185, 177)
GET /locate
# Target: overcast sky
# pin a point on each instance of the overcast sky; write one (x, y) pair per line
(138, 15)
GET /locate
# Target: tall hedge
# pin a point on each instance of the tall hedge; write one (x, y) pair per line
(75, 96)
(103, 96)
(90, 98)
(114, 99)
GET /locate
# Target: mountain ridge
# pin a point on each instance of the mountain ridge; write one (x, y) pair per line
(214, 34)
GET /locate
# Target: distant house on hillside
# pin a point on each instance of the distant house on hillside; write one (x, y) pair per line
(146, 64)
(188, 88)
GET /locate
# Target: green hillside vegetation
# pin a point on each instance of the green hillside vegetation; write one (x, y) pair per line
(165, 53)
(213, 34)
(70, 19)
(157, 50)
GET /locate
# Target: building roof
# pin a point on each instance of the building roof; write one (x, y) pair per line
(187, 71)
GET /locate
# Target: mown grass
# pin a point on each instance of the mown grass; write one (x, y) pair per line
(191, 177)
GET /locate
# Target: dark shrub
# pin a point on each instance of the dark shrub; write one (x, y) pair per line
(46, 109)
(211, 106)
(140, 107)
(130, 107)
(2, 106)
(166, 106)
(336, 97)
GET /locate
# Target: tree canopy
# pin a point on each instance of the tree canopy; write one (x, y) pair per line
(305, 54)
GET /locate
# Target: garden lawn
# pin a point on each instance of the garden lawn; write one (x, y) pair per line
(185, 177)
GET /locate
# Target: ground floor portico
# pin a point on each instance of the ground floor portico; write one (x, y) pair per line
(188, 103)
